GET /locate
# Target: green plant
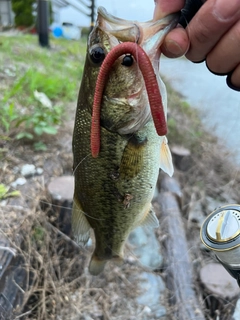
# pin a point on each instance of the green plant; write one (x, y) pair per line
(4, 192)
(8, 115)
(38, 234)
(54, 86)
(35, 119)
(57, 74)
(23, 12)
(40, 146)
(41, 120)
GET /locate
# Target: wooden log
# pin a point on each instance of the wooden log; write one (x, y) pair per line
(169, 184)
(220, 291)
(181, 158)
(61, 191)
(179, 277)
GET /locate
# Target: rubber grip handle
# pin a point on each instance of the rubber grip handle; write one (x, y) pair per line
(188, 12)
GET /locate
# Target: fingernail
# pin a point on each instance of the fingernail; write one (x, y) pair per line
(173, 48)
(200, 61)
(226, 10)
(230, 84)
(214, 72)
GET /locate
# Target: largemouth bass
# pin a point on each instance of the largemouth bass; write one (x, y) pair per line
(117, 149)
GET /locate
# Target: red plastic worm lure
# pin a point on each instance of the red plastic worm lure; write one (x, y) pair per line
(154, 95)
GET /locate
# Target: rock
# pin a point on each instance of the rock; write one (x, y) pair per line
(39, 171)
(218, 281)
(18, 182)
(61, 191)
(153, 289)
(181, 158)
(9, 72)
(62, 188)
(15, 169)
(146, 247)
(28, 170)
(220, 290)
(43, 99)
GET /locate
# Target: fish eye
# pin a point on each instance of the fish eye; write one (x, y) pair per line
(97, 54)
(127, 61)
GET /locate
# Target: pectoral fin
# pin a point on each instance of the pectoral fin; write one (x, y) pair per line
(166, 163)
(132, 159)
(80, 225)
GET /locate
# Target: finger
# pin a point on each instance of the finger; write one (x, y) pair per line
(209, 24)
(165, 7)
(176, 43)
(225, 56)
(233, 80)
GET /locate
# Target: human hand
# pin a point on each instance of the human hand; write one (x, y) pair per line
(176, 42)
(214, 34)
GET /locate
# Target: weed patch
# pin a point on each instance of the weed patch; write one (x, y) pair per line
(56, 73)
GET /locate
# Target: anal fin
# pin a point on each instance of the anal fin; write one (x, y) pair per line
(149, 220)
(80, 225)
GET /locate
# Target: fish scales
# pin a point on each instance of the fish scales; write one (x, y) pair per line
(113, 191)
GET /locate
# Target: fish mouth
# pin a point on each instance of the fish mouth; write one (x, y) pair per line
(149, 35)
(132, 99)
(134, 96)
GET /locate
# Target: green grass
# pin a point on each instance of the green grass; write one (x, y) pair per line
(26, 68)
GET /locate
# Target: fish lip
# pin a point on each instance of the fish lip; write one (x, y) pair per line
(154, 33)
(144, 33)
(123, 30)
(130, 99)
(134, 96)
(172, 18)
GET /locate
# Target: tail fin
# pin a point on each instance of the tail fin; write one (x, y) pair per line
(96, 266)
(118, 261)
